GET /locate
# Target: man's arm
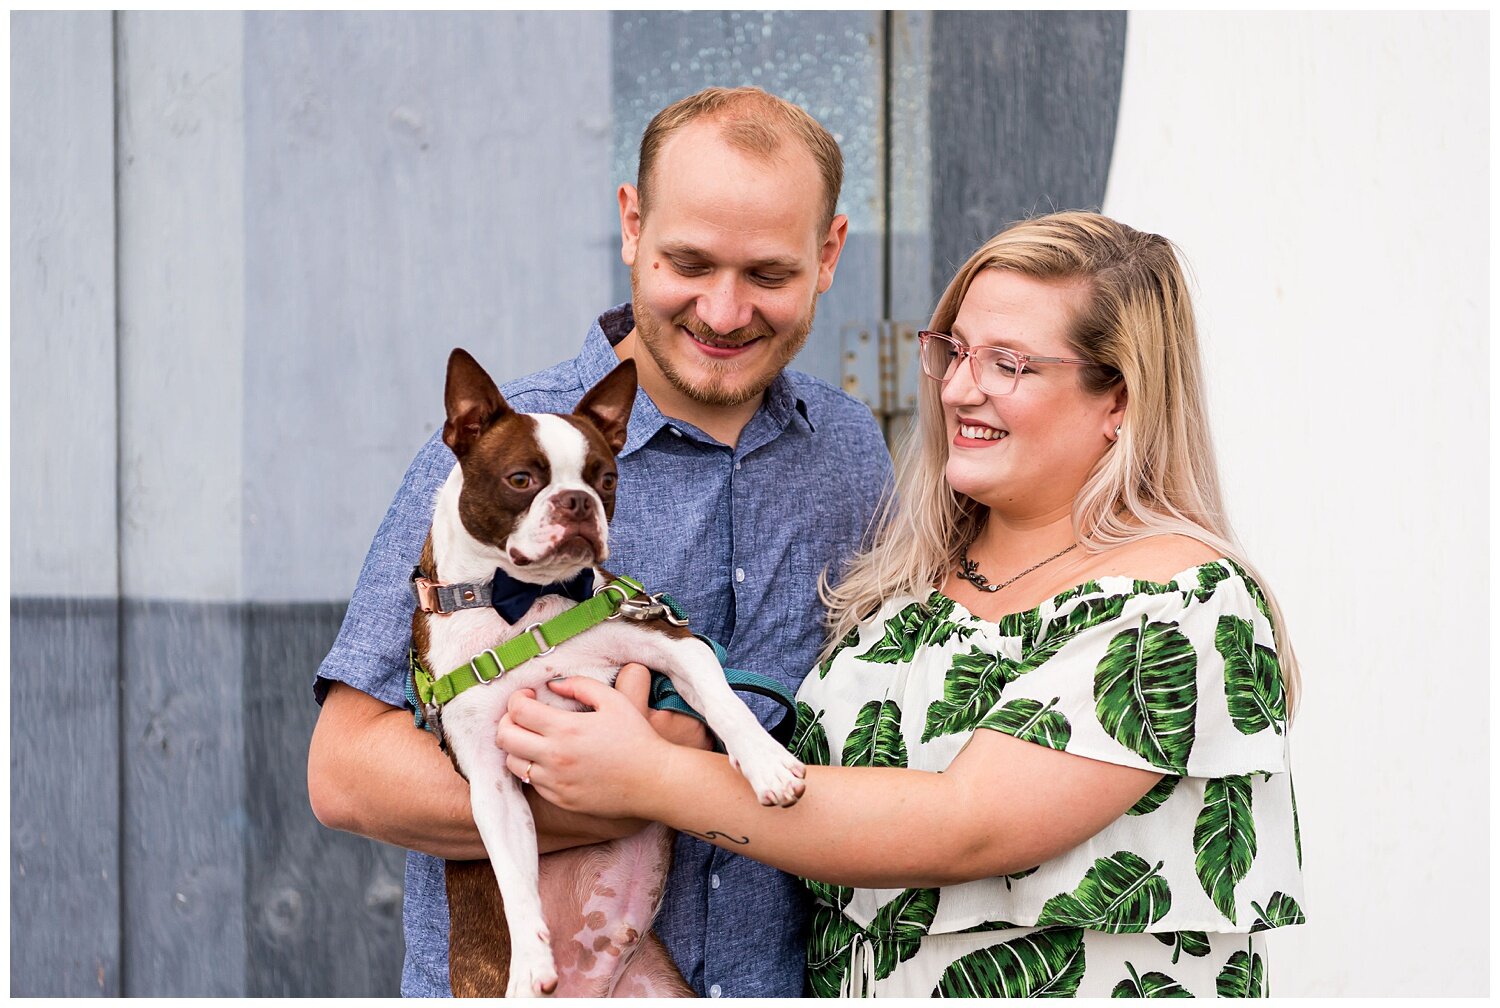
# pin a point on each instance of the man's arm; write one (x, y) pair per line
(371, 771)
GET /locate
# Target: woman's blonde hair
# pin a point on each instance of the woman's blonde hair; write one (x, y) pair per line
(1160, 476)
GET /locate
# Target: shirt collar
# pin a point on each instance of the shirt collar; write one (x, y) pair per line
(597, 359)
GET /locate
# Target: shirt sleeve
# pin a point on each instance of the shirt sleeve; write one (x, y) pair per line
(1181, 679)
(371, 650)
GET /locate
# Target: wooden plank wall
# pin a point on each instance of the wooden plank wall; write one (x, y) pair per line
(65, 673)
(305, 213)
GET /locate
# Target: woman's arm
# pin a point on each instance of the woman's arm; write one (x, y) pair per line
(1003, 805)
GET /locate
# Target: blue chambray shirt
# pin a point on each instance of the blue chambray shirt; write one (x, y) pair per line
(739, 537)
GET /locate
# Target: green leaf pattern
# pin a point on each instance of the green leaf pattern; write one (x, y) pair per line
(1210, 576)
(1280, 911)
(810, 741)
(1296, 826)
(1252, 678)
(1152, 985)
(973, 685)
(1153, 799)
(920, 624)
(830, 939)
(1164, 672)
(1146, 693)
(900, 927)
(1224, 839)
(876, 739)
(1042, 964)
(1251, 586)
(1120, 894)
(1050, 637)
(1194, 943)
(833, 895)
(1031, 721)
(1243, 976)
(850, 639)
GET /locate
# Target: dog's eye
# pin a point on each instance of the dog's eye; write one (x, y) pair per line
(607, 481)
(520, 480)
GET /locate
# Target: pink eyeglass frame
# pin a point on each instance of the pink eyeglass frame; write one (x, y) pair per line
(925, 336)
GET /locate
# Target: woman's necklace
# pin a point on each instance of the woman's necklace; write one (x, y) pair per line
(969, 571)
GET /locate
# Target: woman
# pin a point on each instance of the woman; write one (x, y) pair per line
(1054, 721)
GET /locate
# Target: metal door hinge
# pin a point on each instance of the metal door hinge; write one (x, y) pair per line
(880, 368)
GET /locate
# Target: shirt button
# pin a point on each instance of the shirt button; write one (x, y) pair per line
(739, 574)
(674, 430)
(714, 991)
(714, 881)
(737, 467)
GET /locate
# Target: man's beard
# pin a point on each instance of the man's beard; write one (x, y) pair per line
(717, 390)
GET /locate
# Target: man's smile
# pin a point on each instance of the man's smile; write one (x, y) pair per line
(718, 346)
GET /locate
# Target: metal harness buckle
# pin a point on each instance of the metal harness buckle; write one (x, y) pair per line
(427, 596)
(543, 647)
(498, 663)
(648, 607)
(613, 587)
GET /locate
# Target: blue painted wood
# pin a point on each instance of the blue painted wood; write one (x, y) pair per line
(64, 798)
(62, 310)
(184, 807)
(415, 182)
(1022, 109)
(323, 908)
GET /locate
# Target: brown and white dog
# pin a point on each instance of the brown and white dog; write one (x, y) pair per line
(532, 495)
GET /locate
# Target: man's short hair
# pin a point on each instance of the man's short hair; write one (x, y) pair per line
(752, 121)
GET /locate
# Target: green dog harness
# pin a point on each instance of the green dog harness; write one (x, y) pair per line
(534, 640)
(623, 596)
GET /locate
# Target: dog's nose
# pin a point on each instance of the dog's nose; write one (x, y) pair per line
(574, 504)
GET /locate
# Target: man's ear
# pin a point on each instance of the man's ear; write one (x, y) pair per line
(832, 248)
(607, 405)
(630, 222)
(472, 399)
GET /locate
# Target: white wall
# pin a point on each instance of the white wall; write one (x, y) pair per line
(1327, 180)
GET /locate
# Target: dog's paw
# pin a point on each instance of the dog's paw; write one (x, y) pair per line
(776, 776)
(525, 983)
(533, 975)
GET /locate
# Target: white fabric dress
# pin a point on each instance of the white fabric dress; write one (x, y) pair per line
(1168, 900)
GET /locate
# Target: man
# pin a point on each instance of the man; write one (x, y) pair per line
(738, 483)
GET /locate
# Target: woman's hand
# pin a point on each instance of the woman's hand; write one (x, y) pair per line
(634, 681)
(601, 761)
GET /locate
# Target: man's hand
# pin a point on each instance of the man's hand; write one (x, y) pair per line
(680, 729)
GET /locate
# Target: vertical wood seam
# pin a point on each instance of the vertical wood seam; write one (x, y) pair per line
(887, 96)
(120, 859)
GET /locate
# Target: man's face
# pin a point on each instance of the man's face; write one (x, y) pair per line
(727, 264)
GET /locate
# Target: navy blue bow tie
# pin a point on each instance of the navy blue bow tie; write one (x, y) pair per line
(512, 598)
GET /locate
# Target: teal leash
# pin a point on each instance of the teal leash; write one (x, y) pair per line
(664, 695)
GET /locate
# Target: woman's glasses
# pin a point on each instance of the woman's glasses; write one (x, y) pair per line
(996, 370)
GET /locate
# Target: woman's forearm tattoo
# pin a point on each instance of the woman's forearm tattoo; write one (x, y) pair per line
(712, 835)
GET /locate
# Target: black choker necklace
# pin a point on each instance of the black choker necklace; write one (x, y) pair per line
(969, 571)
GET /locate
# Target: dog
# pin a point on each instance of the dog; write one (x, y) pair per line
(528, 504)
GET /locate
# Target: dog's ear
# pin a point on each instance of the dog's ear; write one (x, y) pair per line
(607, 405)
(472, 399)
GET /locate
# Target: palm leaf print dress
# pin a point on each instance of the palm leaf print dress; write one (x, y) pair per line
(1167, 901)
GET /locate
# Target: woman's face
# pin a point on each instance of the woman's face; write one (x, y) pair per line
(1027, 453)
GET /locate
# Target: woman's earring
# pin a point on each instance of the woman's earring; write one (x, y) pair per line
(1117, 432)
